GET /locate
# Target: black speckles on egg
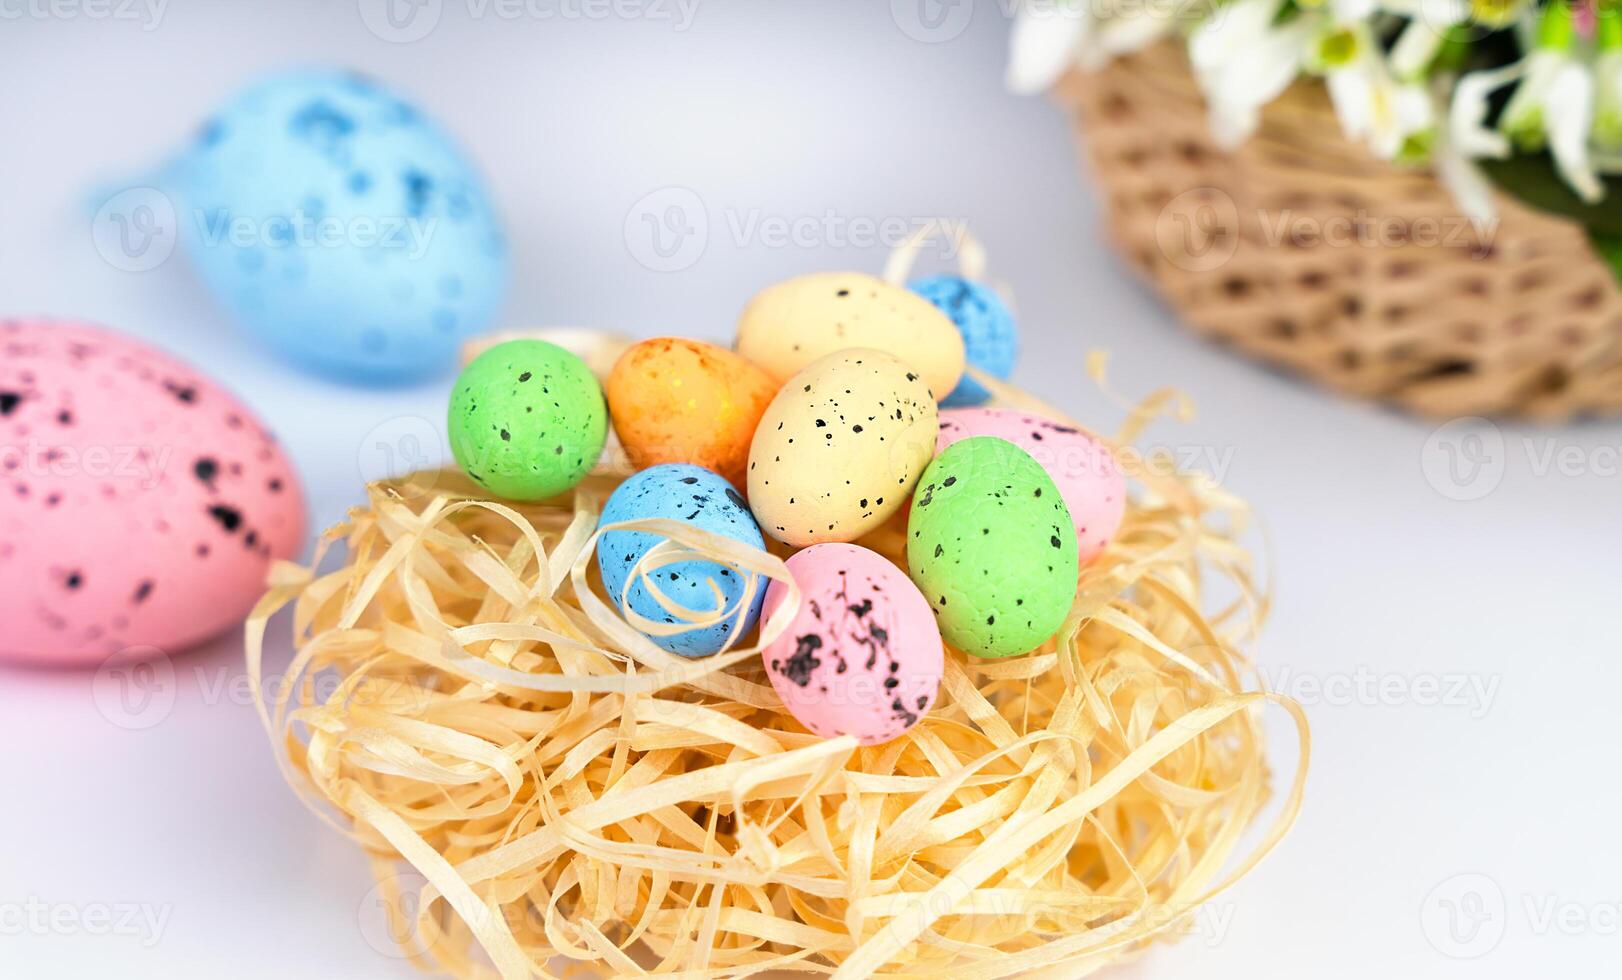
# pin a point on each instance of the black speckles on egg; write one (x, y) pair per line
(826, 486)
(863, 656)
(698, 497)
(322, 125)
(417, 187)
(527, 420)
(799, 667)
(987, 542)
(109, 433)
(183, 392)
(228, 518)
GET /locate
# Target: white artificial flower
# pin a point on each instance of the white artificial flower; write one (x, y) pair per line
(1377, 109)
(1408, 112)
(1372, 106)
(1245, 53)
(1608, 102)
(1243, 61)
(1570, 115)
(1555, 104)
(1468, 186)
(1228, 33)
(1351, 11)
(1467, 116)
(1415, 48)
(1046, 39)
(1138, 26)
(1344, 55)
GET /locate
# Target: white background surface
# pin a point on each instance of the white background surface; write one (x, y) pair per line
(1390, 592)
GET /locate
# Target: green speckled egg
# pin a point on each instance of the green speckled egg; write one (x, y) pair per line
(991, 546)
(527, 420)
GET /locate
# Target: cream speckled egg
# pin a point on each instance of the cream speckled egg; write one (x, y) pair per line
(840, 447)
(789, 325)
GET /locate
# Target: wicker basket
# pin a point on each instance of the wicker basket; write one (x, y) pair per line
(1308, 252)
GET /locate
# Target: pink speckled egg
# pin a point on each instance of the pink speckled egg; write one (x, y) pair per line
(140, 503)
(863, 656)
(1085, 471)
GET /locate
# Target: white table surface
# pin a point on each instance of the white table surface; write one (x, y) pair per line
(1460, 657)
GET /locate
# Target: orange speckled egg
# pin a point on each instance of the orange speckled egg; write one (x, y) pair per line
(684, 401)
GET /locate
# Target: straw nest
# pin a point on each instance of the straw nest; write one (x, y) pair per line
(582, 803)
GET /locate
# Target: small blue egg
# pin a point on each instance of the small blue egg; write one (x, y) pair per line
(341, 226)
(990, 341)
(705, 500)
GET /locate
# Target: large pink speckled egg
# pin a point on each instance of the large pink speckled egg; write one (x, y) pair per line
(1085, 471)
(140, 503)
(863, 655)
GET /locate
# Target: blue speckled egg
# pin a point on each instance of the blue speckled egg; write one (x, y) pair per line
(990, 340)
(341, 226)
(705, 500)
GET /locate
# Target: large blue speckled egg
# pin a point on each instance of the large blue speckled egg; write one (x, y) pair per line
(990, 339)
(705, 500)
(342, 226)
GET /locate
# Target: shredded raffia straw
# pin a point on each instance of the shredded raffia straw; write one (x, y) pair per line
(583, 803)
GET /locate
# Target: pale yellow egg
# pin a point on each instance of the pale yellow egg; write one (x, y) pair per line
(789, 325)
